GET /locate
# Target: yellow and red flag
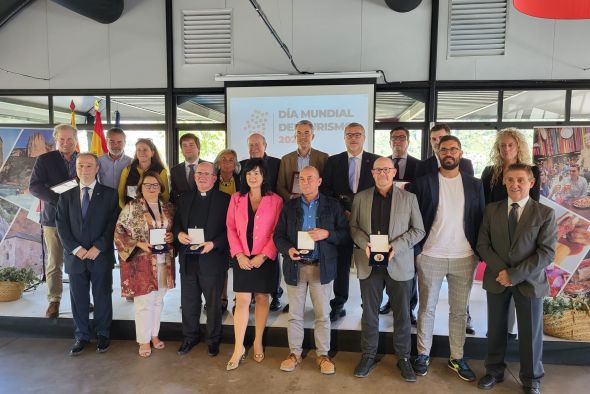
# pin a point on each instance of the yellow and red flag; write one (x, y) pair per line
(98, 145)
(73, 121)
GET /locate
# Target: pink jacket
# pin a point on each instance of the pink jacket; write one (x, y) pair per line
(265, 220)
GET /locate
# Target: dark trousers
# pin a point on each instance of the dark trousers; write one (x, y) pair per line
(414, 292)
(279, 292)
(342, 281)
(192, 285)
(529, 312)
(102, 284)
(399, 296)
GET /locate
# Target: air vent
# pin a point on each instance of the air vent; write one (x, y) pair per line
(207, 36)
(477, 28)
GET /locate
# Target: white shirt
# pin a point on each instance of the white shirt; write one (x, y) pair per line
(357, 170)
(447, 235)
(187, 169)
(521, 205)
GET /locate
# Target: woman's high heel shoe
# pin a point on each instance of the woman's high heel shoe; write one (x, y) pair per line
(233, 365)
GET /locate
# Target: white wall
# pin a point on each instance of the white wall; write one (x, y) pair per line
(535, 49)
(74, 52)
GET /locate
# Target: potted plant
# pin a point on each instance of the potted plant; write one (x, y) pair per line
(13, 281)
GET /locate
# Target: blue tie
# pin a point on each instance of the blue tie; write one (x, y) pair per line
(352, 173)
(85, 201)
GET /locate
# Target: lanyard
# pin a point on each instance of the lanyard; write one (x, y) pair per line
(154, 216)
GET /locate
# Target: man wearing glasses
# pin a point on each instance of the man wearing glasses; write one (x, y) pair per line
(452, 204)
(391, 211)
(346, 174)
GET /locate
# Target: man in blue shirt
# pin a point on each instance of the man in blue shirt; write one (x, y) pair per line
(112, 163)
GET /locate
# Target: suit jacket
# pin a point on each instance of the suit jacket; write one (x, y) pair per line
(265, 220)
(426, 189)
(430, 166)
(329, 216)
(272, 170)
(97, 229)
(288, 166)
(411, 168)
(335, 178)
(178, 182)
(525, 259)
(49, 170)
(405, 230)
(216, 261)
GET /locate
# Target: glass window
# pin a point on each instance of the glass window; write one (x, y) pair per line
(202, 108)
(407, 106)
(580, 105)
(84, 109)
(157, 136)
(24, 109)
(383, 148)
(527, 105)
(476, 146)
(467, 106)
(212, 142)
(138, 109)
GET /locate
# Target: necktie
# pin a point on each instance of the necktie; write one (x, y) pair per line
(191, 176)
(352, 173)
(85, 201)
(396, 165)
(512, 221)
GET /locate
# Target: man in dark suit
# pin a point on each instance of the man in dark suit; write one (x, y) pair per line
(202, 273)
(86, 217)
(451, 203)
(346, 174)
(517, 241)
(182, 174)
(53, 168)
(257, 150)
(432, 164)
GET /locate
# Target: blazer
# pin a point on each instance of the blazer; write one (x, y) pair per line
(265, 220)
(288, 166)
(426, 189)
(49, 170)
(178, 182)
(405, 230)
(430, 166)
(411, 168)
(498, 191)
(329, 217)
(335, 177)
(525, 259)
(216, 261)
(97, 229)
(272, 170)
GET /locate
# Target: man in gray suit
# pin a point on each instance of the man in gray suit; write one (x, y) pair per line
(393, 212)
(517, 241)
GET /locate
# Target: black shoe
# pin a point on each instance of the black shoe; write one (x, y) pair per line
(286, 309)
(336, 314)
(531, 390)
(78, 347)
(406, 369)
(462, 369)
(385, 309)
(103, 344)
(420, 364)
(364, 367)
(275, 304)
(213, 349)
(187, 346)
(489, 381)
(412, 318)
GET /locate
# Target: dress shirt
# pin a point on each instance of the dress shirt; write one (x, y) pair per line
(90, 191)
(110, 169)
(357, 171)
(309, 215)
(521, 205)
(303, 161)
(401, 164)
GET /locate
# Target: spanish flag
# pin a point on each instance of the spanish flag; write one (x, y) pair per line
(73, 121)
(98, 145)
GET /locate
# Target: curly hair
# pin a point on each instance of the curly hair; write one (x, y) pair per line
(522, 157)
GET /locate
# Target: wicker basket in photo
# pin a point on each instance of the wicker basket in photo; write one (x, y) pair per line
(11, 291)
(570, 324)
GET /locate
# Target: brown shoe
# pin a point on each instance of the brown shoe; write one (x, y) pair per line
(326, 365)
(290, 363)
(52, 310)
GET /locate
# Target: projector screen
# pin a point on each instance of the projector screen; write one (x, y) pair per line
(274, 110)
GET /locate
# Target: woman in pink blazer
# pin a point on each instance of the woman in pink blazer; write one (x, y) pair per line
(251, 219)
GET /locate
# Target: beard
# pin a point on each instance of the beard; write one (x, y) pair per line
(447, 165)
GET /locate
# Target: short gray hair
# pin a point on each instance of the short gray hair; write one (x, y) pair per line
(64, 126)
(304, 121)
(88, 154)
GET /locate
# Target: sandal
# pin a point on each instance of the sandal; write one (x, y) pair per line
(145, 352)
(158, 344)
(258, 357)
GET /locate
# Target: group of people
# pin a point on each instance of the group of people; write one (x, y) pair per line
(319, 213)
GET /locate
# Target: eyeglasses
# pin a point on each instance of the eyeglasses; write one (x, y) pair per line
(353, 135)
(198, 173)
(398, 138)
(384, 170)
(151, 186)
(452, 151)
